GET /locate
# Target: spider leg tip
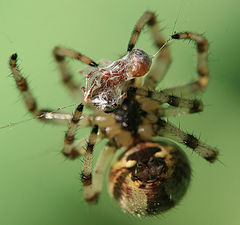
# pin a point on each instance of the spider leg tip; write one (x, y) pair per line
(93, 64)
(80, 107)
(175, 36)
(130, 47)
(14, 56)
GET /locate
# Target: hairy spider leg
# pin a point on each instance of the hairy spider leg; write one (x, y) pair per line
(86, 176)
(193, 105)
(91, 194)
(202, 66)
(166, 129)
(163, 60)
(30, 101)
(67, 78)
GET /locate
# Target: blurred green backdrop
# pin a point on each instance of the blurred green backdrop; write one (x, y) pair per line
(38, 186)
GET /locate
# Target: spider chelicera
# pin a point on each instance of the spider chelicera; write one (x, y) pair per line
(149, 177)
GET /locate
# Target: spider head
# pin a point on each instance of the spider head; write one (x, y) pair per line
(150, 177)
(139, 63)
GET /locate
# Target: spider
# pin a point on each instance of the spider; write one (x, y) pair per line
(150, 176)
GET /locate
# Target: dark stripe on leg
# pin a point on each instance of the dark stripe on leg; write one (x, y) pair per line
(86, 179)
(191, 141)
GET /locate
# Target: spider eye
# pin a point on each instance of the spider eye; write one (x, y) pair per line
(140, 63)
(155, 182)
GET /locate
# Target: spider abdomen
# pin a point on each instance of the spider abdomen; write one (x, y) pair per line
(150, 178)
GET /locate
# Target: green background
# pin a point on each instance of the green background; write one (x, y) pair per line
(38, 186)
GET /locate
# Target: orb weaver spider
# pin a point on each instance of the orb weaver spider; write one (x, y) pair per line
(149, 177)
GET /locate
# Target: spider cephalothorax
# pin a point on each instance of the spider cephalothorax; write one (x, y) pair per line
(151, 176)
(129, 115)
